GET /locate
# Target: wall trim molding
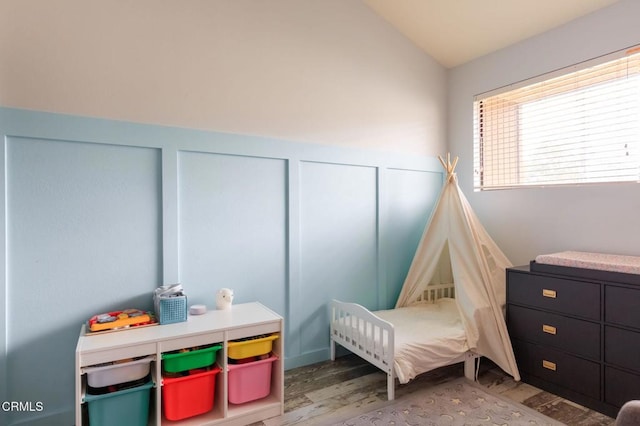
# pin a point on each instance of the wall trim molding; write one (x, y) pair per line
(381, 172)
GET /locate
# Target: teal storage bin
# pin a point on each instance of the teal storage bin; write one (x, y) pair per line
(126, 407)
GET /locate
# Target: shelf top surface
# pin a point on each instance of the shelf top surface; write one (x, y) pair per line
(241, 315)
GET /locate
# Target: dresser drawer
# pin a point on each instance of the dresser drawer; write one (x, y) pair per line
(620, 386)
(565, 296)
(569, 334)
(621, 306)
(622, 348)
(559, 368)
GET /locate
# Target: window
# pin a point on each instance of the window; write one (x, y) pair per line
(577, 125)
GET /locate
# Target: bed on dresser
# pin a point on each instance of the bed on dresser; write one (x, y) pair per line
(574, 321)
(592, 262)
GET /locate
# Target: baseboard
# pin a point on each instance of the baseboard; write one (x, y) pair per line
(306, 359)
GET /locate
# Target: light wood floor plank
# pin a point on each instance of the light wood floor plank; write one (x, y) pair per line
(350, 386)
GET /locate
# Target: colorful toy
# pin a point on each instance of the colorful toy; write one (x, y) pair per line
(224, 298)
(120, 319)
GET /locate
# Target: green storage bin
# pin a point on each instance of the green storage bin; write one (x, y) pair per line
(183, 361)
(125, 407)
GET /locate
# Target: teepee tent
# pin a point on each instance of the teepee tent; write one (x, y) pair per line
(456, 248)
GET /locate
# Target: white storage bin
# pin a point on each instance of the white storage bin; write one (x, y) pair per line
(119, 372)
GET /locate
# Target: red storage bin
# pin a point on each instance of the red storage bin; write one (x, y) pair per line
(189, 396)
(250, 381)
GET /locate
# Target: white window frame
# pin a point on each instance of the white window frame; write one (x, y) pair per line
(576, 125)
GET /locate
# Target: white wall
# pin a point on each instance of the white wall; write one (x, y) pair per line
(528, 222)
(329, 72)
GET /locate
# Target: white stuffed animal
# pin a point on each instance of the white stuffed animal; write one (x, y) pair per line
(224, 298)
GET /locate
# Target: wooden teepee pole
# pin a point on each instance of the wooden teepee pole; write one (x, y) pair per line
(448, 166)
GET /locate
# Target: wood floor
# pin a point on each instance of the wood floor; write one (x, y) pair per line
(349, 386)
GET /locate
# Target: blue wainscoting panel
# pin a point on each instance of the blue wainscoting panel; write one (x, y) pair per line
(83, 236)
(232, 220)
(410, 197)
(97, 213)
(338, 240)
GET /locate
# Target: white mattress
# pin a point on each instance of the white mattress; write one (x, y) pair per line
(427, 336)
(601, 261)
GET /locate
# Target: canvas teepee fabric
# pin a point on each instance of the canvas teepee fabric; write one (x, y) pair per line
(456, 248)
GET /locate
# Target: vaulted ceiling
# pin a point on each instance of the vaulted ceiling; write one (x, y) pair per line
(457, 31)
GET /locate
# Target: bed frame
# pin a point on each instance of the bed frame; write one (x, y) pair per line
(348, 318)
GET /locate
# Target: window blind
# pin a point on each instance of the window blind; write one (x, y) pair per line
(576, 125)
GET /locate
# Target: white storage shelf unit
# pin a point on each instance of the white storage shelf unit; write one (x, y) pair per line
(214, 327)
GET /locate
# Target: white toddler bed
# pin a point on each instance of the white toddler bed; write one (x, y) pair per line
(405, 342)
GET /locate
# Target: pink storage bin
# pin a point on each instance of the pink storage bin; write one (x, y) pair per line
(250, 381)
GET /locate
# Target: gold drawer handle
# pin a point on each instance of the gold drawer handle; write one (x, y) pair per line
(549, 293)
(549, 365)
(548, 329)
